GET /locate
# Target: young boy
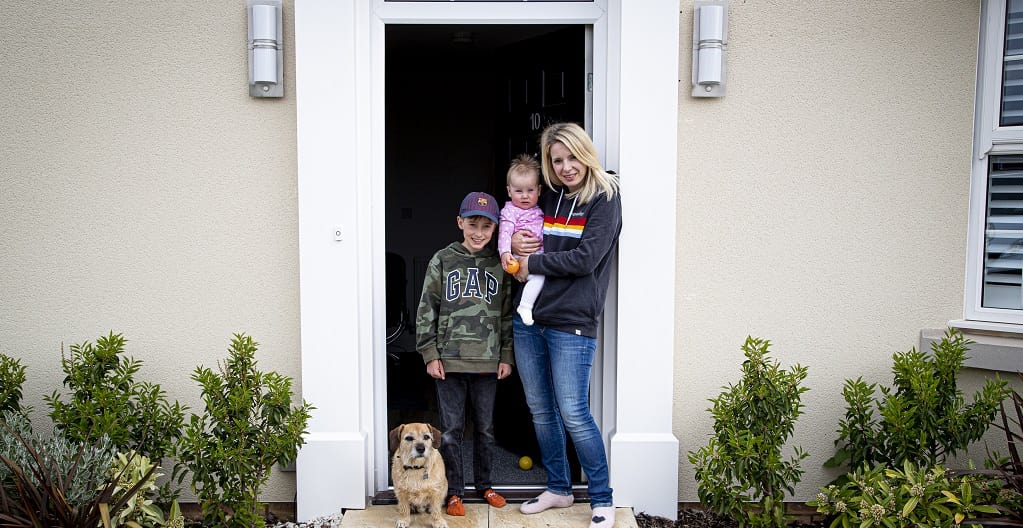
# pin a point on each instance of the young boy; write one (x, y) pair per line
(464, 332)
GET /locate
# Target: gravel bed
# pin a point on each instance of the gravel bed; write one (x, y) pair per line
(696, 518)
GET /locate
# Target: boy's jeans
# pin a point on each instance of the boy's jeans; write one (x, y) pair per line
(555, 371)
(453, 393)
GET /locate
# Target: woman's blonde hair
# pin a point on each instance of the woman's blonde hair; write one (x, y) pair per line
(578, 142)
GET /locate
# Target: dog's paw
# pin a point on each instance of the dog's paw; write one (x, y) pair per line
(402, 523)
(441, 523)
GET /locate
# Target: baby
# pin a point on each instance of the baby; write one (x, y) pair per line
(521, 213)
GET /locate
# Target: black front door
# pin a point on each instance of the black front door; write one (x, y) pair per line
(462, 101)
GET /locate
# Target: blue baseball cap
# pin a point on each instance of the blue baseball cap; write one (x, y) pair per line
(479, 204)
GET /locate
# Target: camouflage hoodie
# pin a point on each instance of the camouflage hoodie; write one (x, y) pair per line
(464, 317)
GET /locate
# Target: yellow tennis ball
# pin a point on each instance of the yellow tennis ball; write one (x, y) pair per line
(526, 463)
(513, 268)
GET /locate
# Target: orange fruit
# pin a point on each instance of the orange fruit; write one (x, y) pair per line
(526, 463)
(513, 267)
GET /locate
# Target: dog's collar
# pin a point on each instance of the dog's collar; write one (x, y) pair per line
(426, 474)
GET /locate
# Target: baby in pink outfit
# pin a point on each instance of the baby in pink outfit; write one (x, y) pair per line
(522, 213)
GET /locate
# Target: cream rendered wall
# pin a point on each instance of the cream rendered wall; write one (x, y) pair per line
(823, 202)
(143, 191)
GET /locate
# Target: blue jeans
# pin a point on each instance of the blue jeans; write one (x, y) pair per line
(555, 371)
(454, 394)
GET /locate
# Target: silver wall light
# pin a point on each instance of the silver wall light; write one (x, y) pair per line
(710, 41)
(266, 49)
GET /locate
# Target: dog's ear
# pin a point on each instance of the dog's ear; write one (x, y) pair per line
(436, 436)
(394, 438)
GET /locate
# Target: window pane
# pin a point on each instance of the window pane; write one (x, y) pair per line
(1003, 238)
(1012, 70)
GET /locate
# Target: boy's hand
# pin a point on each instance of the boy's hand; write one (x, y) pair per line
(436, 369)
(503, 370)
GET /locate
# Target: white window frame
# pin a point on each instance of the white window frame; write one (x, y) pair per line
(989, 139)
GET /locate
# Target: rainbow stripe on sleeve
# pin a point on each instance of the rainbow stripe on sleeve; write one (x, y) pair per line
(563, 226)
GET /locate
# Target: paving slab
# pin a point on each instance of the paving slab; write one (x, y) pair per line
(483, 516)
(385, 517)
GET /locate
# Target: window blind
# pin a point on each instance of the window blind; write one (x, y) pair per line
(1012, 67)
(1003, 256)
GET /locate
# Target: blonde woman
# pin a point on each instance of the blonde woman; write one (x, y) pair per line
(582, 222)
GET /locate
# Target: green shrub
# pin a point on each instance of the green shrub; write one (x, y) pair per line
(248, 426)
(923, 419)
(12, 377)
(105, 400)
(740, 472)
(912, 497)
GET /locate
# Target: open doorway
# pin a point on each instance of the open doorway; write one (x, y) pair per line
(461, 101)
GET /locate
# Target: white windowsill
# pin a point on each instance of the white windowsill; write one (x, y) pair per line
(986, 326)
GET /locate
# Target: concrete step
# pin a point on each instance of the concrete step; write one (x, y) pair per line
(485, 516)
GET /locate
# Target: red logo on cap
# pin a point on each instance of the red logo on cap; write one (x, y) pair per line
(481, 201)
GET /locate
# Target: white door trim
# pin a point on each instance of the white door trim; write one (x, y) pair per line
(339, 86)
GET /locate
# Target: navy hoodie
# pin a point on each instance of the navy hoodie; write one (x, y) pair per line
(579, 241)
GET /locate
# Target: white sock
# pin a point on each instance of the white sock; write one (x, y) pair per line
(545, 501)
(526, 314)
(603, 517)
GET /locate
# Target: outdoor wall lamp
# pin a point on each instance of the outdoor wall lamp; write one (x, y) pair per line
(710, 41)
(266, 49)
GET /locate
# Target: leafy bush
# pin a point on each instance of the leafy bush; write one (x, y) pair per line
(924, 418)
(248, 426)
(105, 400)
(12, 377)
(134, 471)
(58, 481)
(740, 472)
(912, 497)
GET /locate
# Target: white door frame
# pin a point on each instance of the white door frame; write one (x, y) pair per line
(339, 49)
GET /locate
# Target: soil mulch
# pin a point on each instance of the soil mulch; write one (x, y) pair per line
(696, 518)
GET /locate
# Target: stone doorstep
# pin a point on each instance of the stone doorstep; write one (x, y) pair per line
(477, 515)
(484, 516)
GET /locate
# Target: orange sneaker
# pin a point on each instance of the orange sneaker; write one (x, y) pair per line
(455, 507)
(494, 498)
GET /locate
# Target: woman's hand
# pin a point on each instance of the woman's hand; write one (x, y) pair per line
(435, 369)
(524, 243)
(523, 268)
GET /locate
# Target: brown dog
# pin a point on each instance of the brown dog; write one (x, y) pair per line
(417, 470)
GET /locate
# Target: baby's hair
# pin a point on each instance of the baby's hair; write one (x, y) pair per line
(523, 163)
